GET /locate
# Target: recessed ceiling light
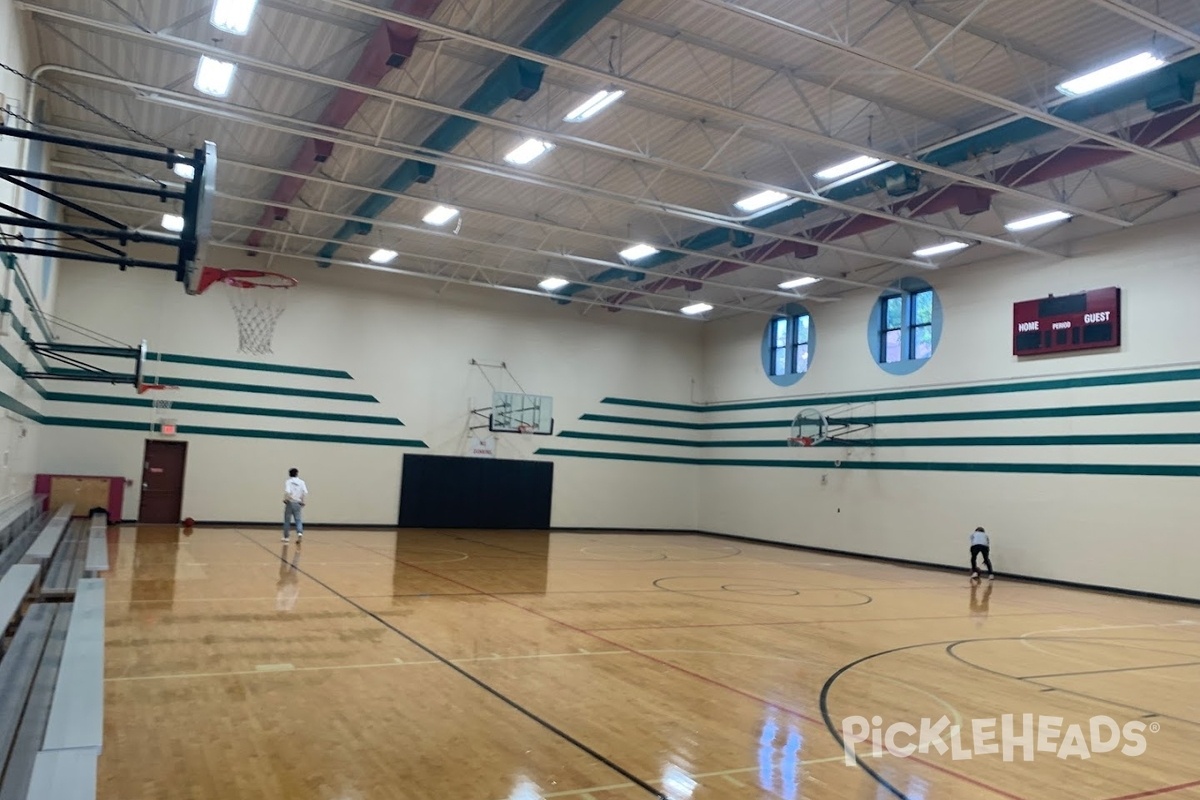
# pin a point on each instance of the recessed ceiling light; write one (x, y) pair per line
(938, 249)
(382, 256)
(172, 222)
(1113, 73)
(638, 251)
(553, 284)
(695, 308)
(798, 282)
(185, 171)
(527, 151)
(594, 105)
(214, 77)
(757, 202)
(233, 16)
(440, 215)
(1037, 221)
(847, 167)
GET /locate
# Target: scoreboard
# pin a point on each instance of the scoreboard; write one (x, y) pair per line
(1083, 321)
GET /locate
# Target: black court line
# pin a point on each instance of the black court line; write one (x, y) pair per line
(629, 776)
(952, 646)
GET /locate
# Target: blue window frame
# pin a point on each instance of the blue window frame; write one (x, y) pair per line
(788, 353)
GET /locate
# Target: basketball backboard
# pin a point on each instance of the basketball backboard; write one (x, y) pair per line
(200, 193)
(515, 412)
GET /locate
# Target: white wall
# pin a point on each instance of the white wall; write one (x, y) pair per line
(1129, 531)
(18, 434)
(404, 343)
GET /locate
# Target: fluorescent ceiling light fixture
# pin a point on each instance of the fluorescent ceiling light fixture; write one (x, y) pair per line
(847, 167)
(638, 252)
(232, 16)
(172, 222)
(1113, 73)
(214, 77)
(441, 215)
(938, 249)
(757, 202)
(527, 151)
(594, 105)
(185, 171)
(695, 308)
(1038, 221)
(553, 284)
(798, 282)
(382, 256)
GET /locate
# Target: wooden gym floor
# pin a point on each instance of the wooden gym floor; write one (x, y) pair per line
(476, 665)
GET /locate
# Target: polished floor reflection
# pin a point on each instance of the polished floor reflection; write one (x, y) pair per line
(483, 665)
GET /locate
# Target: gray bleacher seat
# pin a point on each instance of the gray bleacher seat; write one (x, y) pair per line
(66, 567)
(97, 548)
(32, 727)
(15, 586)
(63, 775)
(47, 540)
(77, 710)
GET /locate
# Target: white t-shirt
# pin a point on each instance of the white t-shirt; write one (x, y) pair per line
(295, 489)
(979, 537)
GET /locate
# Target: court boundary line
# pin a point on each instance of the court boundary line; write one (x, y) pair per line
(1055, 582)
(599, 757)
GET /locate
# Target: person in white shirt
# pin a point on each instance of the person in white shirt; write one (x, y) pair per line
(981, 546)
(295, 495)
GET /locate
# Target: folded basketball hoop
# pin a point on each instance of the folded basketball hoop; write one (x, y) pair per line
(256, 311)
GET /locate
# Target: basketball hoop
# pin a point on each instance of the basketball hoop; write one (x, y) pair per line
(800, 441)
(524, 429)
(256, 311)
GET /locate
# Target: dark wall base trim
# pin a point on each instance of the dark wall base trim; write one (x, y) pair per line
(1091, 587)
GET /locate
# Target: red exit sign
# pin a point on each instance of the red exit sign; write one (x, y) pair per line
(1084, 321)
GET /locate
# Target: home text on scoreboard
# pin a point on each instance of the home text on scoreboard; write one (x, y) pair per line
(1084, 321)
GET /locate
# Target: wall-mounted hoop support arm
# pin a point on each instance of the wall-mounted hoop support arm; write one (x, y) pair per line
(80, 370)
(35, 235)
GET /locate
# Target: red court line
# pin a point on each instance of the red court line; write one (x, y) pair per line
(934, 766)
(1157, 792)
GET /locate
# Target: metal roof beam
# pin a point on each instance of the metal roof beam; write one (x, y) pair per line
(978, 95)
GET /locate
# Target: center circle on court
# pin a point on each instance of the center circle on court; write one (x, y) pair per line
(429, 555)
(761, 591)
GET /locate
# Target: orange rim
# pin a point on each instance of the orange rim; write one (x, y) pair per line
(246, 279)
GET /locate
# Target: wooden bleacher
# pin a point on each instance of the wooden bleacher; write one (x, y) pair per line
(52, 665)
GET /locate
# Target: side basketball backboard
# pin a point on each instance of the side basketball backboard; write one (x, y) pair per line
(515, 412)
(139, 369)
(200, 195)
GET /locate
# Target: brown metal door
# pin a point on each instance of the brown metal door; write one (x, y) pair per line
(162, 482)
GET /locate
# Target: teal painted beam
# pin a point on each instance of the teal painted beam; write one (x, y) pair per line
(249, 388)
(256, 366)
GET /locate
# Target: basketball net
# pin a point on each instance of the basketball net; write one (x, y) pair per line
(257, 299)
(256, 313)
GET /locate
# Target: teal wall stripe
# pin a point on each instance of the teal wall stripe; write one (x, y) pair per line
(1179, 407)
(1154, 470)
(201, 430)
(257, 366)
(1088, 381)
(1064, 440)
(252, 388)
(287, 413)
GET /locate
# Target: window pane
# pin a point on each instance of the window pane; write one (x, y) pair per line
(802, 357)
(779, 333)
(801, 323)
(923, 308)
(891, 347)
(779, 361)
(923, 341)
(893, 313)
